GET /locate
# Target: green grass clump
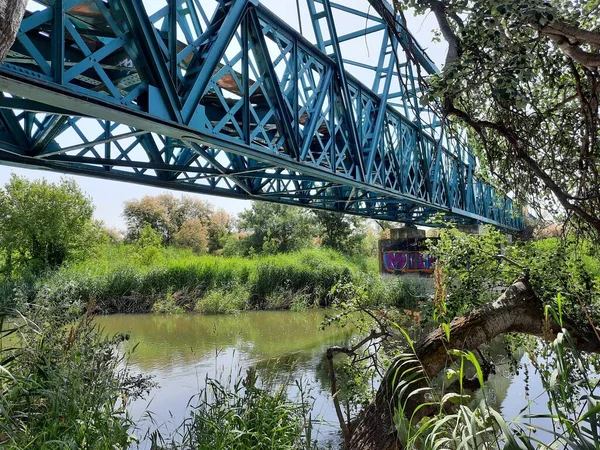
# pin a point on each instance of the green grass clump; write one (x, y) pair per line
(243, 416)
(62, 385)
(226, 300)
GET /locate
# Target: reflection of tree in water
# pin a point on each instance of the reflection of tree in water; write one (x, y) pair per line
(177, 340)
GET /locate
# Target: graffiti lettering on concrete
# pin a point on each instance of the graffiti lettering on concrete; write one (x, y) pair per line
(406, 262)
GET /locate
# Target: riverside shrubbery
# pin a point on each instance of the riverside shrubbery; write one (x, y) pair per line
(116, 279)
(63, 384)
(244, 415)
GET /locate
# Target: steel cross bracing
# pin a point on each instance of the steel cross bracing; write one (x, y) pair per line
(223, 97)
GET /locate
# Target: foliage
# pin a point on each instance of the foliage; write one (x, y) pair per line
(193, 234)
(125, 278)
(43, 224)
(285, 297)
(167, 305)
(573, 407)
(184, 221)
(48, 398)
(473, 273)
(148, 237)
(470, 271)
(220, 227)
(341, 232)
(275, 228)
(224, 300)
(244, 416)
(523, 76)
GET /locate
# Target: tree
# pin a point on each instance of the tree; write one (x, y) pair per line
(11, 13)
(523, 76)
(342, 232)
(42, 224)
(538, 275)
(220, 226)
(275, 228)
(164, 213)
(193, 235)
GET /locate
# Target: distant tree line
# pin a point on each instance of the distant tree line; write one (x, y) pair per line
(263, 228)
(43, 225)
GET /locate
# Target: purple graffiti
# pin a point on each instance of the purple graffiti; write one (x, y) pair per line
(408, 262)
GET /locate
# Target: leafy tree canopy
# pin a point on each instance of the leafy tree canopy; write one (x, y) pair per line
(523, 75)
(184, 221)
(165, 213)
(42, 224)
(275, 228)
(342, 232)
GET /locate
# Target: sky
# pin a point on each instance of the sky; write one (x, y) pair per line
(108, 196)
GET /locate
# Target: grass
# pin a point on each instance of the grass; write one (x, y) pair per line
(225, 300)
(48, 397)
(124, 278)
(242, 416)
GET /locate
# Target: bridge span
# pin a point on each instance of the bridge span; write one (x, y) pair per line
(222, 97)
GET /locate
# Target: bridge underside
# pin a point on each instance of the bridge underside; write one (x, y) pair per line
(224, 98)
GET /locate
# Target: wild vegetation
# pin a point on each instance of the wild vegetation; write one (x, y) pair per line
(523, 77)
(63, 385)
(249, 415)
(269, 265)
(126, 278)
(43, 225)
(180, 255)
(556, 298)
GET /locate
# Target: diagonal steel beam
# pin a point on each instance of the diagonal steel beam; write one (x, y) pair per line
(222, 30)
(284, 118)
(146, 53)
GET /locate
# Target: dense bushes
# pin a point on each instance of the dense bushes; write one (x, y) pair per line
(123, 279)
(48, 397)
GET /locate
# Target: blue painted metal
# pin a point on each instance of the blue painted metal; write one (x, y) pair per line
(225, 98)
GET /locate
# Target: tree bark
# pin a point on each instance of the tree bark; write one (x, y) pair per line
(11, 14)
(516, 310)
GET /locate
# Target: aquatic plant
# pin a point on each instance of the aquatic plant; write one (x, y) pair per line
(63, 386)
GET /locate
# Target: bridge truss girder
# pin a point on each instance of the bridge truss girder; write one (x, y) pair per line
(227, 99)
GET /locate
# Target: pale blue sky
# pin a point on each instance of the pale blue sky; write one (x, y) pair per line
(108, 196)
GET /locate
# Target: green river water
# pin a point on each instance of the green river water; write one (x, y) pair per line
(180, 351)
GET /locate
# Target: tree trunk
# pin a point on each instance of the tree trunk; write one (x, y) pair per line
(517, 310)
(11, 14)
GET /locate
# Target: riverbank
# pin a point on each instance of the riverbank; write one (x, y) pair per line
(127, 279)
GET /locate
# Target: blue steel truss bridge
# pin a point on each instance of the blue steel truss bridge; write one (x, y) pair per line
(222, 97)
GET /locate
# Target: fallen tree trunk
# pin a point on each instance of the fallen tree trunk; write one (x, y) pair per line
(11, 13)
(518, 310)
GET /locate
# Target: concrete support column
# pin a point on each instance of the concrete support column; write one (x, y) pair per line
(403, 253)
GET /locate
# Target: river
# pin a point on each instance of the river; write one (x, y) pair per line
(180, 351)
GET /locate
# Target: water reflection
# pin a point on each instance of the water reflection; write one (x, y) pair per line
(181, 351)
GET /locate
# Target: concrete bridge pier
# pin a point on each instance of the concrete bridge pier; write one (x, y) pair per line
(404, 253)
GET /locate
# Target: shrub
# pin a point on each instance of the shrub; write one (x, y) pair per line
(243, 416)
(226, 300)
(49, 399)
